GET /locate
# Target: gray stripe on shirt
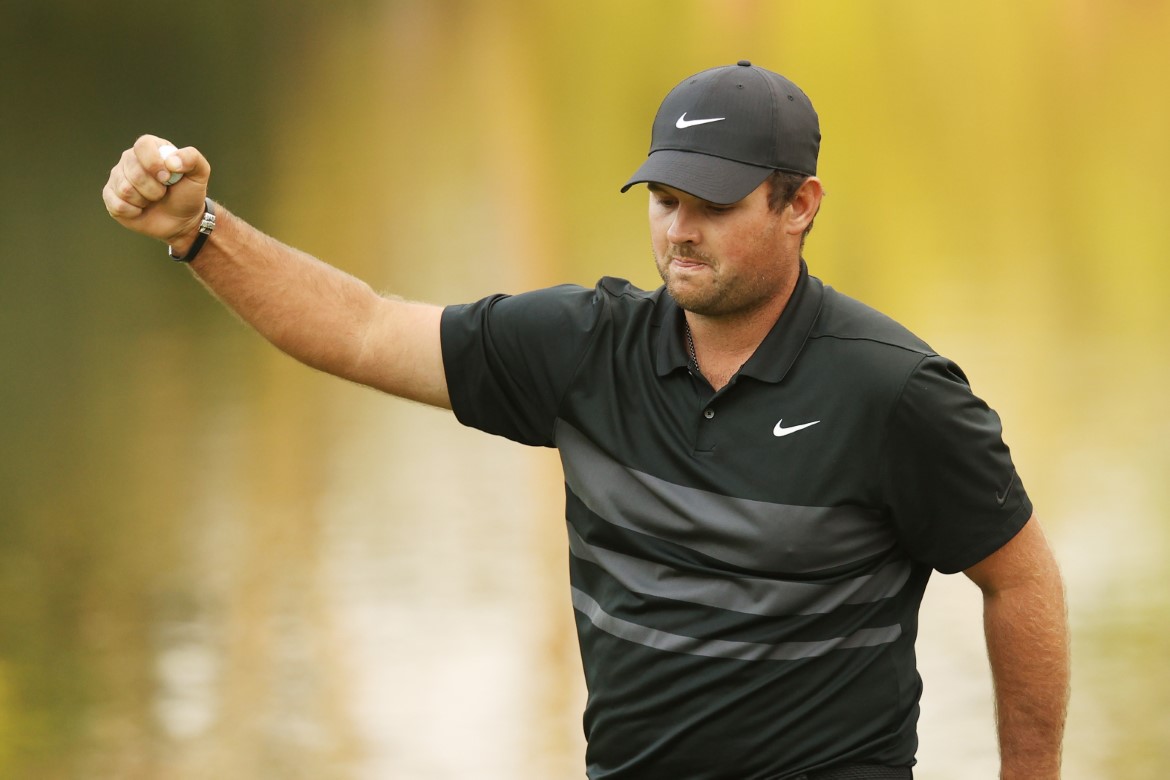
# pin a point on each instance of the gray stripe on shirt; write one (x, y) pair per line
(743, 532)
(722, 648)
(741, 593)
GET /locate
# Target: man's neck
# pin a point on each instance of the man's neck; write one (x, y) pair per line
(722, 344)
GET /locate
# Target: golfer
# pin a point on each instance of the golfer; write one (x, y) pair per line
(761, 473)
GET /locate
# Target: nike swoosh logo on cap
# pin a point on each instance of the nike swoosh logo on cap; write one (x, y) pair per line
(683, 123)
(780, 430)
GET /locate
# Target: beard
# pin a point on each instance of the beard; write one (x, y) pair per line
(715, 293)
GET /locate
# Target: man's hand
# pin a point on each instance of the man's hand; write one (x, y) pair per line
(136, 196)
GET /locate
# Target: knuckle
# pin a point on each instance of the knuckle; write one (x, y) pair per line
(145, 140)
(117, 207)
(125, 190)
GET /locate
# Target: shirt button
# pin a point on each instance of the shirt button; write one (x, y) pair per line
(709, 413)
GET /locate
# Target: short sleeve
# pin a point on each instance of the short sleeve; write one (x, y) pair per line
(508, 359)
(949, 481)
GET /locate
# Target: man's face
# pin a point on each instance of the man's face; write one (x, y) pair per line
(720, 261)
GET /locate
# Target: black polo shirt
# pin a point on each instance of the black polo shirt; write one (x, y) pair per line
(747, 565)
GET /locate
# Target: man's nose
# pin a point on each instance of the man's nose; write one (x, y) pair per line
(684, 227)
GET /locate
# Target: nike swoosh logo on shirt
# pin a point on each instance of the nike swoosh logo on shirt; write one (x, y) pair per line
(683, 123)
(780, 430)
(1001, 500)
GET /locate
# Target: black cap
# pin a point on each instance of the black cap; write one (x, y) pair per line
(721, 132)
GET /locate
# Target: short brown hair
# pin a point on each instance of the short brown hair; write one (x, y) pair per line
(785, 185)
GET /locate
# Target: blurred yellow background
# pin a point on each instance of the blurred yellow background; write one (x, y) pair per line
(217, 563)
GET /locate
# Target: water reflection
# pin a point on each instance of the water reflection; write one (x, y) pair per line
(438, 577)
(216, 563)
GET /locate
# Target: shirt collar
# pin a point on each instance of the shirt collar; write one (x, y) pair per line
(777, 352)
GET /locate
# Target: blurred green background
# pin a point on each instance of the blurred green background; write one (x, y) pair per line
(217, 563)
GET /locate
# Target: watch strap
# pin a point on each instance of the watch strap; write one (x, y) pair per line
(205, 228)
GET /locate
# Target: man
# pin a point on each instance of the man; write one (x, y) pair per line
(761, 473)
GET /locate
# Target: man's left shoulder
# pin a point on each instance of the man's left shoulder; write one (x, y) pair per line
(846, 318)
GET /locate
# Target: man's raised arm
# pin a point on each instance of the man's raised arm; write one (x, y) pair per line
(314, 312)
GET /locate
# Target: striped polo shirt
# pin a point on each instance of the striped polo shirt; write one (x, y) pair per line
(746, 565)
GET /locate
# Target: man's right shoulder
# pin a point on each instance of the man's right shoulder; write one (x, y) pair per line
(607, 290)
(622, 301)
(624, 290)
(555, 313)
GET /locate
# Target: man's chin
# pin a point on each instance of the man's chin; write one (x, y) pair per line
(701, 302)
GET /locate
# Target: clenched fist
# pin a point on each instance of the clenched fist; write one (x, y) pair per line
(137, 196)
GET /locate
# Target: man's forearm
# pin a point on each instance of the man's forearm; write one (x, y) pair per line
(307, 308)
(321, 315)
(1027, 641)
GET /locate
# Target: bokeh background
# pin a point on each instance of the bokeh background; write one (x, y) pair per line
(217, 563)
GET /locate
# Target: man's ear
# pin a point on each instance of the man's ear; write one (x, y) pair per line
(799, 213)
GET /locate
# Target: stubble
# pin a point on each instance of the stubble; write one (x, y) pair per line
(712, 293)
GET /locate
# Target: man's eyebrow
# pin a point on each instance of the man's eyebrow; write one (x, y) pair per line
(655, 187)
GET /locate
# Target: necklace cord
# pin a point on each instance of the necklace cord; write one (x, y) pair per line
(691, 344)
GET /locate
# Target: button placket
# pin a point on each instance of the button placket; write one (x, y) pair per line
(705, 439)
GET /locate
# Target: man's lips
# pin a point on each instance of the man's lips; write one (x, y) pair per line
(686, 262)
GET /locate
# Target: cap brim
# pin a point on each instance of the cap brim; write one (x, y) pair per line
(713, 179)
